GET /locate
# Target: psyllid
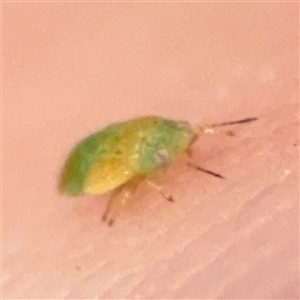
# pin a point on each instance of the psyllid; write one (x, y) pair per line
(123, 155)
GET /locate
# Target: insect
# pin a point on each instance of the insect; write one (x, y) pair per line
(122, 155)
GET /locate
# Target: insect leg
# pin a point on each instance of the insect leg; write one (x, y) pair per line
(198, 168)
(189, 152)
(119, 199)
(111, 203)
(159, 189)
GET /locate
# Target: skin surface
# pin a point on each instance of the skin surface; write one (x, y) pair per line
(71, 68)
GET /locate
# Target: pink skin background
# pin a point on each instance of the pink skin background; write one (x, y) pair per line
(69, 69)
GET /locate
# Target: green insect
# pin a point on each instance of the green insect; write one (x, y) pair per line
(123, 155)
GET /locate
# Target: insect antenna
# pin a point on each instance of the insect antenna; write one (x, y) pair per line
(210, 129)
(247, 120)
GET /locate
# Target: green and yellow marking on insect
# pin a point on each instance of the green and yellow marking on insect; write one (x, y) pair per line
(123, 155)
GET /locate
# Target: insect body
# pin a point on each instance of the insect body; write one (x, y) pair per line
(122, 155)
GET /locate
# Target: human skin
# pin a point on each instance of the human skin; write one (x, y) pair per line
(72, 68)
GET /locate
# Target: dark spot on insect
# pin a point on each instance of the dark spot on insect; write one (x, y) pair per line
(118, 152)
(78, 268)
(296, 144)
